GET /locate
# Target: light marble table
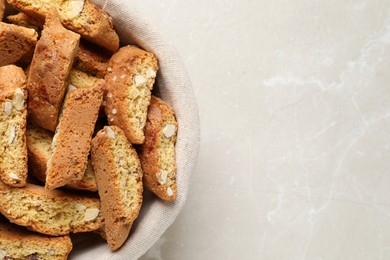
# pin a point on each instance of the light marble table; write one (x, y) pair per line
(294, 100)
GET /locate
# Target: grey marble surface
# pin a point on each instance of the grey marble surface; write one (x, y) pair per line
(294, 103)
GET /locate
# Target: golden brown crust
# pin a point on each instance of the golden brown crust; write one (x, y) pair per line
(72, 141)
(15, 42)
(92, 23)
(51, 64)
(129, 81)
(158, 152)
(39, 150)
(21, 19)
(2, 9)
(13, 112)
(51, 212)
(92, 60)
(19, 243)
(119, 178)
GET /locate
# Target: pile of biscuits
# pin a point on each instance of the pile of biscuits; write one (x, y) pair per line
(81, 134)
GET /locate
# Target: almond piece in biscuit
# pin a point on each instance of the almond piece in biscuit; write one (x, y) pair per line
(81, 16)
(39, 149)
(119, 178)
(15, 42)
(158, 152)
(49, 70)
(52, 213)
(19, 243)
(72, 140)
(13, 112)
(129, 82)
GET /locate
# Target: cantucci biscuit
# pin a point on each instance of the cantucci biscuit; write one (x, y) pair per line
(19, 243)
(49, 70)
(92, 60)
(129, 82)
(80, 16)
(2, 9)
(24, 20)
(13, 112)
(158, 152)
(15, 43)
(52, 213)
(72, 141)
(39, 150)
(119, 178)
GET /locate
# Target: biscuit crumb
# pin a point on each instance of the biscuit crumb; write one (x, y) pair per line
(51, 252)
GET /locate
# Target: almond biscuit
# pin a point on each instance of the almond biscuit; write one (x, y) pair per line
(129, 82)
(158, 152)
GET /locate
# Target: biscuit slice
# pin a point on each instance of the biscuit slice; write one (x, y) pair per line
(50, 67)
(52, 213)
(15, 42)
(39, 150)
(92, 60)
(19, 243)
(157, 154)
(119, 178)
(129, 82)
(72, 141)
(2, 9)
(24, 20)
(81, 16)
(13, 112)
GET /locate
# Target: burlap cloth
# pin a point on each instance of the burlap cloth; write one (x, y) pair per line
(173, 86)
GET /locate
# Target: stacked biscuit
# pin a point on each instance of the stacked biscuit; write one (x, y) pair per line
(82, 134)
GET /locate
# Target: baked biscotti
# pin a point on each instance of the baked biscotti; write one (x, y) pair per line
(39, 149)
(49, 70)
(19, 243)
(72, 140)
(15, 42)
(119, 178)
(157, 154)
(92, 59)
(13, 112)
(2, 9)
(129, 82)
(52, 213)
(80, 16)
(21, 19)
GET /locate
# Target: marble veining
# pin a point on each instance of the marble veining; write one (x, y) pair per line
(295, 110)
